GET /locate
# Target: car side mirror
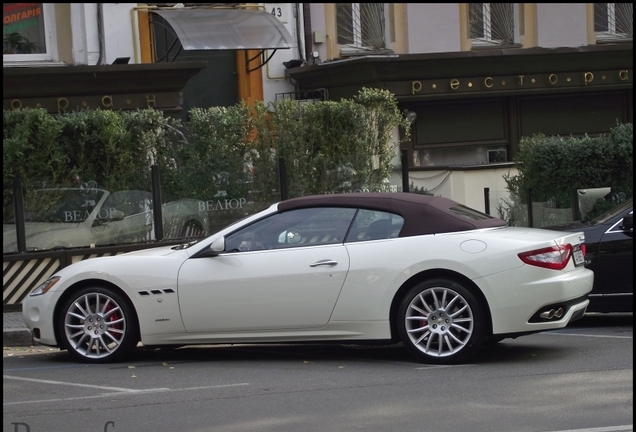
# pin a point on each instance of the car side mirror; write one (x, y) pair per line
(216, 248)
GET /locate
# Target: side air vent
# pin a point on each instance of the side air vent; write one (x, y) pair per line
(156, 292)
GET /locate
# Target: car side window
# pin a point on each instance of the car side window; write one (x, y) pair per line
(295, 228)
(375, 225)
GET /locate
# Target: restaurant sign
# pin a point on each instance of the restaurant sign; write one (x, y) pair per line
(60, 104)
(481, 84)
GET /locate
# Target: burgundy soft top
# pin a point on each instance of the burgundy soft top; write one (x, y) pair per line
(423, 214)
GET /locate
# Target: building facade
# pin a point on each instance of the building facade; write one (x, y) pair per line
(474, 77)
(134, 52)
(478, 77)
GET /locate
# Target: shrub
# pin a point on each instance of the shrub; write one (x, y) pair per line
(335, 146)
(552, 166)
(30, 146)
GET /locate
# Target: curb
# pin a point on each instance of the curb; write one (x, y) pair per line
(17, 337)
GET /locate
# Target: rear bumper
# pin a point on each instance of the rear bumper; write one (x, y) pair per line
(576, 312)
(516, 307)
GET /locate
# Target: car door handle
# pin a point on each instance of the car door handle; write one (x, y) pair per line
(329, 263)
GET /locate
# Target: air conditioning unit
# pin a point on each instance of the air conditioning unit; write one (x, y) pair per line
(499, 155)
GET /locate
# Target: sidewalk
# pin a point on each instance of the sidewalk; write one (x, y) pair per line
(15, 331)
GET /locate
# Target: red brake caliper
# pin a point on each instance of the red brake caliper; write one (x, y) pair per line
(114, 317)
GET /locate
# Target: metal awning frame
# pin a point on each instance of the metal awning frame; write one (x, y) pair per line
(171, 46)
(263, 54)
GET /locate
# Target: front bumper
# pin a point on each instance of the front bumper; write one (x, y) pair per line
(38, 314)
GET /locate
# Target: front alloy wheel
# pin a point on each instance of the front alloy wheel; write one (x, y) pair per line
(97, 325)
(441, 322)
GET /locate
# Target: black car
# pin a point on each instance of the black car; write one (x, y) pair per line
(609, 240)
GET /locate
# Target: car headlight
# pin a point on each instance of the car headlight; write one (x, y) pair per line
(44, 287)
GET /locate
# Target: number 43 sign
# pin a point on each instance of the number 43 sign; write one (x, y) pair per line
(279, 10)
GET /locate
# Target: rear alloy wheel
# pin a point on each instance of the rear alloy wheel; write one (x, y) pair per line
(96, 325)
(441, 322)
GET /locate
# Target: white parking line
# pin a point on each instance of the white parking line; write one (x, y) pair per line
(118, 391)
(601, 429)
(101, 395)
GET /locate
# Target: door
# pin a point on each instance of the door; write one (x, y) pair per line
(282, 272)
(262, 290)
(216, 85)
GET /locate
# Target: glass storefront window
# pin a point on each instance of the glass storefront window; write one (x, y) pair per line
(23, 29)
(466, 155)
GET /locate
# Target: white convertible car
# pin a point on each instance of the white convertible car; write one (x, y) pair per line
(438, 276)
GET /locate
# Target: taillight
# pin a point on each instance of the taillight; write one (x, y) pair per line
(555, 257)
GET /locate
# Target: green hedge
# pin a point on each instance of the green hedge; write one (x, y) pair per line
(230, 149)
(551, 166)
(112, 148)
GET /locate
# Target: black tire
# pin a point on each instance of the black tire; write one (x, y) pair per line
(441, 322)
(191, 229)
(97, 325)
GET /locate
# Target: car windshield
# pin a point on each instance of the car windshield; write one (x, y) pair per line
(612, 212)
(60, 205)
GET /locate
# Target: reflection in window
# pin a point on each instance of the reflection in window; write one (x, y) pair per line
(23, 28)
(361, 26)
(375, 225)
(492, 24)
(130, 202)
(614, 20)
(296, 228)
(60, 205)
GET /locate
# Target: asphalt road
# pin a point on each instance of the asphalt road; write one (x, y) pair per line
(576, 379)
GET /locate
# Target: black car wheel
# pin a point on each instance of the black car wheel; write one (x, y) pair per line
(441, 322)
(97, 325)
